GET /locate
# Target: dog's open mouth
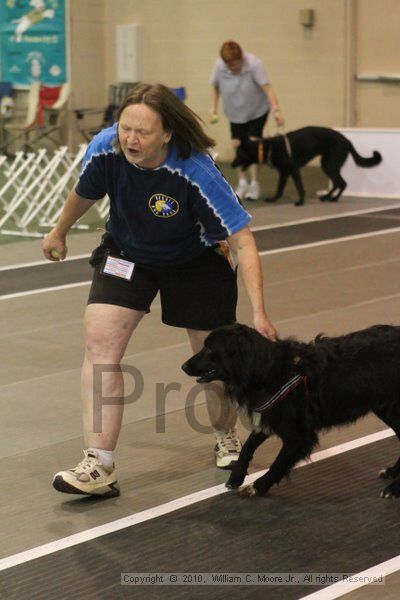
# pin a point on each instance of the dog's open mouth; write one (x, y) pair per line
(207, 376)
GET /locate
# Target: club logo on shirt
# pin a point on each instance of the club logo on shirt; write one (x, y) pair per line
(163, 206)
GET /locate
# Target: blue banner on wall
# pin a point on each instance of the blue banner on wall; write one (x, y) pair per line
(33, 41)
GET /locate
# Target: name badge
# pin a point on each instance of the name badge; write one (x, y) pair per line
(116, 266)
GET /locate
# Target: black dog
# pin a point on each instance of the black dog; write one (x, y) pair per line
(294, 390)
(289, 153)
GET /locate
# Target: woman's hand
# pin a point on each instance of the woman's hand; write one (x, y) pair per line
(54, 246)
(264, 326)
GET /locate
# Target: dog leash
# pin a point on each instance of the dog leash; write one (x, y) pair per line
(260, 150)
(288, 387)
(287, 142)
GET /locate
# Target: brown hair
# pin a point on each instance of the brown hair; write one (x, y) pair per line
(176, 117)
(231, 51)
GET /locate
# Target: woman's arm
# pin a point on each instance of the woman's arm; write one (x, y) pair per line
(74, 208)
(244, 246)
(274, 104)
(214, 103)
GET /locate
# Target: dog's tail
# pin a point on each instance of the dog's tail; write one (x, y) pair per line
(361, 161)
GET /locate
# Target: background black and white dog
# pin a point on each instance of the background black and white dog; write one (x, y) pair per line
(289, 155)
(294, 390)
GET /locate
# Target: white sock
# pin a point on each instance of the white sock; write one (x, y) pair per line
(106, 457)
(242, 181)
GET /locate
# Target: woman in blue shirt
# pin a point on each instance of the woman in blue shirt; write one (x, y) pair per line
(173, 216)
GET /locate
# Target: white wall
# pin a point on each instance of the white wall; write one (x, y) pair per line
(182, 39)
(381, 181)
(312, 70)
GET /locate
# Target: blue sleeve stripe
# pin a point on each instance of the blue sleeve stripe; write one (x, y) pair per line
(231, 215)
(87, 159)
(101, 144)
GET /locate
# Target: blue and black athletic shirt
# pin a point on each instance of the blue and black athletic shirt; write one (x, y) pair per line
(161, 216)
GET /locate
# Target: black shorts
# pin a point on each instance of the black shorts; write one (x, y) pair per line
(200, 294)
(254, 128)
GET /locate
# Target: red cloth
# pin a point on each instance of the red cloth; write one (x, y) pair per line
(47, 97)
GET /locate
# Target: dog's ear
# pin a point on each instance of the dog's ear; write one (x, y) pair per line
(238, 162)
(263, 352)
(242, 158)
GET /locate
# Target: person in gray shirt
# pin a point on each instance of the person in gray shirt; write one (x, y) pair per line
(248, 97)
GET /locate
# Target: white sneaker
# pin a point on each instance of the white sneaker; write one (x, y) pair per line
(227, 449)
(90, 476)
(253, 191)
(242, 188)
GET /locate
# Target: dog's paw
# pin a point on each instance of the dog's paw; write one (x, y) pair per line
(299, 203)
(235, 480)
(323, 195)
(387, 473)
(234, 484)
(392, 490)
(247, 490)
(270, 200)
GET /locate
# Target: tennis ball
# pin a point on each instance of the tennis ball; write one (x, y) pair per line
(214, 119)
(56, 254)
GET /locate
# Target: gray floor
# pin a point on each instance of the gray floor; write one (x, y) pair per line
(334, 288)
(316, 493)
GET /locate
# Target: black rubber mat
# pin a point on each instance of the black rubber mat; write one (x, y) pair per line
(328, 518)
(330, 229)
(48, 275)
(54, 274)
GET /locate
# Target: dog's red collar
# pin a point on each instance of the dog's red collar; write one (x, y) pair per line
(289, 386)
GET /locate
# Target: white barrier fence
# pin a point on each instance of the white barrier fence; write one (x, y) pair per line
(382, 181)
(34, 187)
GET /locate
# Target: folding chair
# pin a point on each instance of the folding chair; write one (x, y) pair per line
(87, 119)
(51, 114)
(6, 103)
(23, 120)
